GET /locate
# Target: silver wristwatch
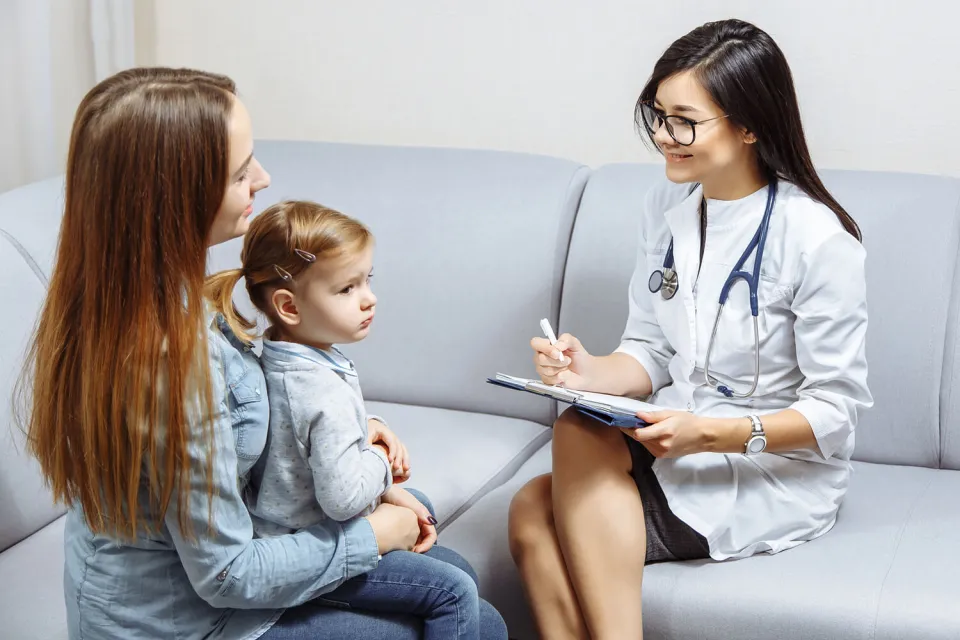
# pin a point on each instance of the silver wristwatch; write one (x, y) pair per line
(757, 441)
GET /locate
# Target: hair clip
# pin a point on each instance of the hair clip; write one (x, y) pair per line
(306, 255)
(283, 273)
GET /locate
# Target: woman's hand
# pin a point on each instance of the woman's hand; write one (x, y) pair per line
(380, 434)
(395, 528)
(671, 434)
(566, 363)
(428, 524)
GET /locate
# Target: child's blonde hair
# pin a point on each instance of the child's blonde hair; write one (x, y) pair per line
(279, 247)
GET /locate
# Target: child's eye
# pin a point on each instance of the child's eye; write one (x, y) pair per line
(243, 176)
(347, 290)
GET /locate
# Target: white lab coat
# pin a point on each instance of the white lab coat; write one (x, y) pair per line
(813, 320)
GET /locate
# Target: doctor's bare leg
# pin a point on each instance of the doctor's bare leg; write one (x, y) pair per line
(598, 521)
(536, 552)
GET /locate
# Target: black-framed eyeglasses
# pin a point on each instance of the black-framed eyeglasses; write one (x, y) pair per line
(682, 130)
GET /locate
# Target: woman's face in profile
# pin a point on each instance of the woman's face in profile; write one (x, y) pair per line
(245, 179)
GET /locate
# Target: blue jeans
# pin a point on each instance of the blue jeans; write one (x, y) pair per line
(408, 596)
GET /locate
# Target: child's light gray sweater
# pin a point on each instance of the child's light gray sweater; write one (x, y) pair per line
(317, 463)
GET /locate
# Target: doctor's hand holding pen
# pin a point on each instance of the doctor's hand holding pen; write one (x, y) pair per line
(562, 362)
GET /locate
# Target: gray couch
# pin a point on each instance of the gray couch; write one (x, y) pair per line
(474, 247)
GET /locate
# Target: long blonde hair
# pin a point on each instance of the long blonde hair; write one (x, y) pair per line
(274, 249)
(124, 316)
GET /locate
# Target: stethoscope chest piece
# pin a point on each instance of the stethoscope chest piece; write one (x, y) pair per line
(668, 286)
(665, 280)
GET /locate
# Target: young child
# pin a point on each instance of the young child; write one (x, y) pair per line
(308, 270)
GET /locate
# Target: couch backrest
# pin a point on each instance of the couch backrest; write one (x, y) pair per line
(30, 217)
(469, 257)
(470, 254)
(911, 230)
(25, 503)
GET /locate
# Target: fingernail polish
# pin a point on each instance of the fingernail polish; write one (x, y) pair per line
(432, 520)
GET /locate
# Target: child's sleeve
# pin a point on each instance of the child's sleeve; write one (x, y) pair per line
(348, 473)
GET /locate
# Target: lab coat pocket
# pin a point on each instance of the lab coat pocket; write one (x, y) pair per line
(732, 358)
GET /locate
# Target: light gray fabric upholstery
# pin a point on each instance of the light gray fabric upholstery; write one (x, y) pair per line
(458, 456)
(603, 252)
(480, 535)
(921, 595)
(30, 217)
(950, 385)
(25, 504)
(834, 588)
(31, 587)
(850, 584)
(470, 252)
(903, 215)
(908, 314)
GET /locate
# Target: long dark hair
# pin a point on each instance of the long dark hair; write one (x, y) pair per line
(747, 75)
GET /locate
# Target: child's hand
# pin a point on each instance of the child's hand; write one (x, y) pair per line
(379, 433)
(428, 524)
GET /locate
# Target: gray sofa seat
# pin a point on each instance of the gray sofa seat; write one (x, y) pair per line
(886, 570)
(444, 447)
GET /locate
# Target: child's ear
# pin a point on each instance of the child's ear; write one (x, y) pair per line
(285, 307)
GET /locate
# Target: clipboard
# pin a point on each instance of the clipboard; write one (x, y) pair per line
(614, 411)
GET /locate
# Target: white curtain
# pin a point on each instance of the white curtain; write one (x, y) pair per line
(51, 53)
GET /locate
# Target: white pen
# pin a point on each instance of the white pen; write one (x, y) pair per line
(552, 337)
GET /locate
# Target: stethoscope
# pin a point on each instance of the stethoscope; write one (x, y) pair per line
(665, 281)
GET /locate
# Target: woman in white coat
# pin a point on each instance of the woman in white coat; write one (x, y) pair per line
(756, 457)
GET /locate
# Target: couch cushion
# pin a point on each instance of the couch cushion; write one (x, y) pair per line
(25, 504)
(480, 535)
(905, 341)
(470, 253)
(834, 588)
(458, 456)
(31, 587)
(922, 587)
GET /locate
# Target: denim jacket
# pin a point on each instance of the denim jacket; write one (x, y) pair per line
(224, 583)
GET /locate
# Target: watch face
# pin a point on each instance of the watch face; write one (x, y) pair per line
(757, 444)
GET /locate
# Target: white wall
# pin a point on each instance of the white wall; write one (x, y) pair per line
(879, 82)
(51, 53)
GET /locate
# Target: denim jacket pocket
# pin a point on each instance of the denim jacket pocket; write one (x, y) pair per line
(250, 416)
